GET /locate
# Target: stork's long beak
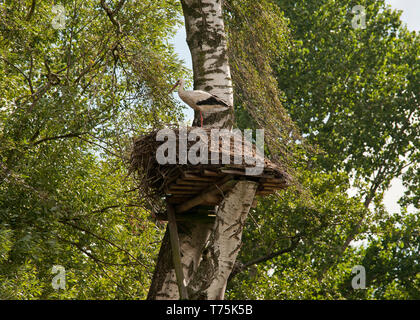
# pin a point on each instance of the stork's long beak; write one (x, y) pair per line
(173, 88)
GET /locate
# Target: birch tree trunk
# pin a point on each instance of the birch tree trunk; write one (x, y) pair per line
(207, 42)
(208, 251)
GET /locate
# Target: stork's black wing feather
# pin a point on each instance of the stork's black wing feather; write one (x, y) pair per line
(212, 101)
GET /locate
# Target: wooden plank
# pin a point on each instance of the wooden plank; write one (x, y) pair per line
(189, 176)
(233, 166)
(243, 173)
(210, 173)
(271, 185)
(264, 192)
(192, 183)
(268, 188)
(225, 184)
(232, 171)
(274, 187)
(267, 176)
(192, 171)
(267, 191)
(176, 252)
(274, 180)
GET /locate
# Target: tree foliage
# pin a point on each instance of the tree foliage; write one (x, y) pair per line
(352, 93)
(256, 42)
(71, 100)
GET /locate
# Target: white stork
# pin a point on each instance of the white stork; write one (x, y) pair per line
(200, 100)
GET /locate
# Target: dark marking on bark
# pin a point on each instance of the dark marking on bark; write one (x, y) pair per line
(238, 247)
(191, 269)
(212, 101)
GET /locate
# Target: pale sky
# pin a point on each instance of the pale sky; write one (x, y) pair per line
(410, 12)
(410, 16)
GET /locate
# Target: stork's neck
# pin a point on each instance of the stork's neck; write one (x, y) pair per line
(181, 87)
(182, 93)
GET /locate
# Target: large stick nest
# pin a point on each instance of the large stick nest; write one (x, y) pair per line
(179, 182)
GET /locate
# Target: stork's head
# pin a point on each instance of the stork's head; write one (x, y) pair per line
(178, 83)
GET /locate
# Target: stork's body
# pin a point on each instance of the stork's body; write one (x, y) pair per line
(200, 100)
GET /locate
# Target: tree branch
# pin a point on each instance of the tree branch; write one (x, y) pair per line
(111, 13)
(103, 239)
(64, 136)
(240, 267)
(18, 69)
(91, 255)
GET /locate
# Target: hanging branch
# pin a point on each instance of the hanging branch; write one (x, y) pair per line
(112, 13)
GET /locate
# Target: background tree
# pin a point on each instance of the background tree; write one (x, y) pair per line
(352, 93)
(70, 101)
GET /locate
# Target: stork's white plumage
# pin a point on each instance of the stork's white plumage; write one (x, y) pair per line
(200, 100)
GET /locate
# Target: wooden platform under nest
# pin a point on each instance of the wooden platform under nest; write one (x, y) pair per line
(186, 186)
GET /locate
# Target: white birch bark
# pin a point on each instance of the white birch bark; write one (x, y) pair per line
(192, 238)
(224, 244)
